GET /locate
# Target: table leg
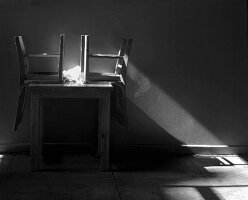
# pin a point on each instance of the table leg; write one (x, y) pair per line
(103, 132)
(99, 127)
(36, 130)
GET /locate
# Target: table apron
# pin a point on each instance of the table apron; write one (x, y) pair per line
(70, 93)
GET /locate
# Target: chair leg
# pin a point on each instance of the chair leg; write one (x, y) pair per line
(103, 132)
(22, 96)
(99, 127)
(36, 130)
(120, 107)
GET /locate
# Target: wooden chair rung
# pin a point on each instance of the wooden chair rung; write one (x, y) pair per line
(43, 55)
(105, 56)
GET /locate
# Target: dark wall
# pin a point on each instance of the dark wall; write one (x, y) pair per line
(187, 75)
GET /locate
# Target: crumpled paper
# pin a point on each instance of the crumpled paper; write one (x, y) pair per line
(73, 75)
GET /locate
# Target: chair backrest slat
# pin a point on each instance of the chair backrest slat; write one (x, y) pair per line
(119, 62)
(43, 55)
(96, 55)
(61, 58)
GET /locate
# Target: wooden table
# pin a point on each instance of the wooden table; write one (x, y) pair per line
(39, 92)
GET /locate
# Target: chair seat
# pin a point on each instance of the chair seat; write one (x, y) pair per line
(41, 82)
(42, 76)
(95, 76)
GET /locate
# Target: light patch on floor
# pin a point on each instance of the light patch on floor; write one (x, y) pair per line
(1, 157)
(232, 193)
(236, 160)
(223, 161)
(181, 193)
(179, 178)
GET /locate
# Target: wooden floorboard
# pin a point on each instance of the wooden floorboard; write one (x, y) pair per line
(55, 184)
(133, 177)
(182, 178)
(5, 161)
(152, 178)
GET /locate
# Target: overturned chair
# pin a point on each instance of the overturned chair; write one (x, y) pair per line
(26, 76)
(118, 78)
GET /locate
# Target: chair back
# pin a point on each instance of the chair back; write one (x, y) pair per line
(25, 72)
(26, 76)
(122, 63)
(121, 57)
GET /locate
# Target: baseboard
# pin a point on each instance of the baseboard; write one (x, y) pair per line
(193, 149)
(9, 148)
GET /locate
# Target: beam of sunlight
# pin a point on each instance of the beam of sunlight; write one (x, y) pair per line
(165, 111)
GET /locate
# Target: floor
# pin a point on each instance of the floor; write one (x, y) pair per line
(153, 176)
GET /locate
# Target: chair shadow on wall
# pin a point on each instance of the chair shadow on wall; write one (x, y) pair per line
(136, 153)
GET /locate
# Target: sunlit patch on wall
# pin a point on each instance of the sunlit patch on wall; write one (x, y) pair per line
(143, 83)
(165, 111)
